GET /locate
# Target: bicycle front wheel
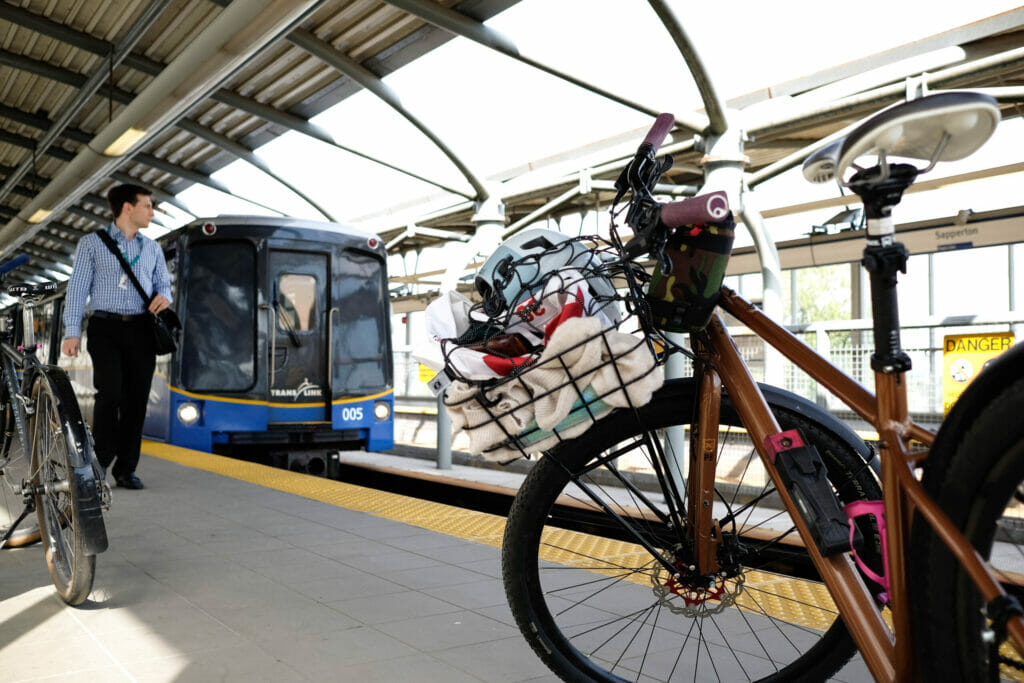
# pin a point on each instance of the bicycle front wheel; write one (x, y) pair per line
(58, 495)
(585, 549)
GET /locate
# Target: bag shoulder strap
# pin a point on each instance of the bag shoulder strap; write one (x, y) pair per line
(109, 241)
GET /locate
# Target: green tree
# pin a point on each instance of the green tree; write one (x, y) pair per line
(823, 294)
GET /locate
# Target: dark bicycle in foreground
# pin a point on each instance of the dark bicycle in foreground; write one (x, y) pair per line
(46, 455)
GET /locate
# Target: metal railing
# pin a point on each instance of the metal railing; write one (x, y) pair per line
(846, 343)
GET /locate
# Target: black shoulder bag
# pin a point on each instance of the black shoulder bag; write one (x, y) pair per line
(165, 325)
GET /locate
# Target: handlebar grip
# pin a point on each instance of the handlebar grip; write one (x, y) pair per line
(19, 260)
(705, 208)
(662, 125)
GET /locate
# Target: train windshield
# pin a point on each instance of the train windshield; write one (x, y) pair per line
(218, 350)
(362, 358)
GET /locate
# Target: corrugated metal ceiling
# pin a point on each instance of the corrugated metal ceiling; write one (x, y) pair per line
(50, 49)
(58, 93)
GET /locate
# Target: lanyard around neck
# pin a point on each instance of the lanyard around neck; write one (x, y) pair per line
(131, 264)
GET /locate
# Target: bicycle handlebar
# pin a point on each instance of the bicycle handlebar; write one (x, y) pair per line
(19, 260)
(707, 208)
(650, 220)
(659, 131)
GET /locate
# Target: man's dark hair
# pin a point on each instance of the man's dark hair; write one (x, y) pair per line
(120, 194)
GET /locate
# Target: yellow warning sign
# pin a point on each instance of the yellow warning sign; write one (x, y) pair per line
(426, 373)
(963, 357)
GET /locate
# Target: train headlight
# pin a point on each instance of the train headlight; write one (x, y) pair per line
(189, 414)
(381, 411)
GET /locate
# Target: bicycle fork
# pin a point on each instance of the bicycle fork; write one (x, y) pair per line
(704, 532)
(837, 569)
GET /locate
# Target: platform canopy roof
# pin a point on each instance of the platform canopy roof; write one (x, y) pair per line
(167, 93)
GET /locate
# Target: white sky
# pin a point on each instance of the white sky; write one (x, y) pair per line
(497, 114)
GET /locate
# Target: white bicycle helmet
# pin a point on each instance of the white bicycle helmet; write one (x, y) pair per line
(521, 265)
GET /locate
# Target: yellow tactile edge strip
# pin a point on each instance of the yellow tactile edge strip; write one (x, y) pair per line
(561, 545)
(446, 519)
(479, 527)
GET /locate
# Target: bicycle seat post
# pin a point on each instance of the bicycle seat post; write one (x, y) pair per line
(28, 305)
(939, 127)
(880, 189)
(30, 295)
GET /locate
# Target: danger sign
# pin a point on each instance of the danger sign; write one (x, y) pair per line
(963, 357)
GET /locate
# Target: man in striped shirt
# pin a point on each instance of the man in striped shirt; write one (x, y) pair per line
(120, 341)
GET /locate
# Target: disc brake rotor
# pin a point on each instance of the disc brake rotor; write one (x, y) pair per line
(695, 596)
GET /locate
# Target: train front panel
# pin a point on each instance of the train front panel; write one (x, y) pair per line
(209, 423)
(286, 339)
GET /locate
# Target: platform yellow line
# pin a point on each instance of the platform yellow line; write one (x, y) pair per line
(446, 519)
(560, 545)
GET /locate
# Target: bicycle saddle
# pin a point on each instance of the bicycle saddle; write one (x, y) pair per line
(30, 290)
(944, 126)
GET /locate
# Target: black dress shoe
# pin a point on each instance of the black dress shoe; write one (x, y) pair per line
(130, 482)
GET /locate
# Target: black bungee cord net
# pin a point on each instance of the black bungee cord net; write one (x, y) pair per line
(598, 281)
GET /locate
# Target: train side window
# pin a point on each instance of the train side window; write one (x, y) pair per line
(218, 350)
(297, 296)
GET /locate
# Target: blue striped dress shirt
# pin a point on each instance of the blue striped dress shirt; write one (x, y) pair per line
(96, 275)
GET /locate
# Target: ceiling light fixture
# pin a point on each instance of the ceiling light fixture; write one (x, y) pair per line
(124, 142)
(40, 215)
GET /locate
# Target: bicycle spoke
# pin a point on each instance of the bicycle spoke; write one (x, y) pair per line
(52, 477)
(56, 494)
(580, 585)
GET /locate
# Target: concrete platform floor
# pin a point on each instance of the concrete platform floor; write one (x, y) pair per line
(212, 578)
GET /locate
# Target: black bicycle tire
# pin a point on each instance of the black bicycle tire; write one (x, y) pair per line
(972, 475)
(672, 405)
(72, 568)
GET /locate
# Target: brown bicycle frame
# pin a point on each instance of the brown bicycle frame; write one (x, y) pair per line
(901, 492)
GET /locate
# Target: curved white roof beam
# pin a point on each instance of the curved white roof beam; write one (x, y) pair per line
(372, 82)
(141, 63)
(455, 22)
(712, 103)
(309, 129)
(249, 156)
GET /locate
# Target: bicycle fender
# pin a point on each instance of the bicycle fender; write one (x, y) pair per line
(61, 386)
(90, 505)
(91, 511)
(813, 412)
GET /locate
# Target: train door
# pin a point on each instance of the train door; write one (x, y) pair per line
(298, 290)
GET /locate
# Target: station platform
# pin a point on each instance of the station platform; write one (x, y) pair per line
(223, 570)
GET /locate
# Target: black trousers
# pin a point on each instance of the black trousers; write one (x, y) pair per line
(123, 361)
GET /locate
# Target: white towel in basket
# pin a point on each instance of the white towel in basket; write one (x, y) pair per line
(565, 369)
(509, 414)
(578, 360)
(633, 369)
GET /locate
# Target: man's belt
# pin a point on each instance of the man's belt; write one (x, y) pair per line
(107, 315)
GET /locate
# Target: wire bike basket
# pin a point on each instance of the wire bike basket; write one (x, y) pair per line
(554, 346)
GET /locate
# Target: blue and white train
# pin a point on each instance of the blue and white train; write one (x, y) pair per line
(285, 352)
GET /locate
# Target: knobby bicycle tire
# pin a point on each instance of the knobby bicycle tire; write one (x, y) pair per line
(974, 475)
(60, 486)
(595, 605)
